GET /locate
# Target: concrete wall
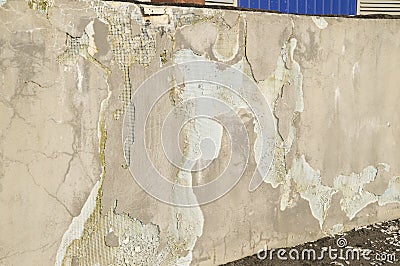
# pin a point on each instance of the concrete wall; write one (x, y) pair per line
(68, 132)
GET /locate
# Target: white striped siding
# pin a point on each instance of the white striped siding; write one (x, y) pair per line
(389, 7)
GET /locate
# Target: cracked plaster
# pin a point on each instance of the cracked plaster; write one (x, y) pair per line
(66, 80)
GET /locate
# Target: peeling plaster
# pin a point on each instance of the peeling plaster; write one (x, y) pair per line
(355, 198)
(80, 46)
(80, 78)
(337, 97)
(76, 228)
(336, 229)
(320, 22)
(41, 5)
(234, 100)
(92, 207)
(392, 193)
(191, 219)
(132, 241)
(89, 31)
(386, 166)
(226, 45)
(201, 36)
(127, 48)
(301, 178)
(355, 71)
(287, 72)
(308, 184)
(131, 133)
(68, 250)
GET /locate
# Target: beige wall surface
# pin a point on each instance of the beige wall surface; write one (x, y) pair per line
(70, 142)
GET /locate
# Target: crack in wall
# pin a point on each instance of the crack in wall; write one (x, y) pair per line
(80, 46)
(91, 210)
(86, 232)
(300, 178)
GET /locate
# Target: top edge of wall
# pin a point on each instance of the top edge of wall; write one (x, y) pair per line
(225, 7)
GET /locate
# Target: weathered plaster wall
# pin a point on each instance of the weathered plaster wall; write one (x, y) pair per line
(68, 70)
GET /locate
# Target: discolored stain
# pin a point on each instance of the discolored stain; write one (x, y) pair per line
(111, 240)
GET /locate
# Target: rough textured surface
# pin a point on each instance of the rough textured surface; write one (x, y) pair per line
(68, 72)
(380, 240)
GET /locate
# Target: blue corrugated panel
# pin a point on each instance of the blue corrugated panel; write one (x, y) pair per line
(352, 7)
(327, 5)
(301, 7)
(293, 7)
(335, 7)
(273, 4)
(344, 7)
(312, 7)
(283, 6)
(319, 7)
(265, 4)
(254, 4)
